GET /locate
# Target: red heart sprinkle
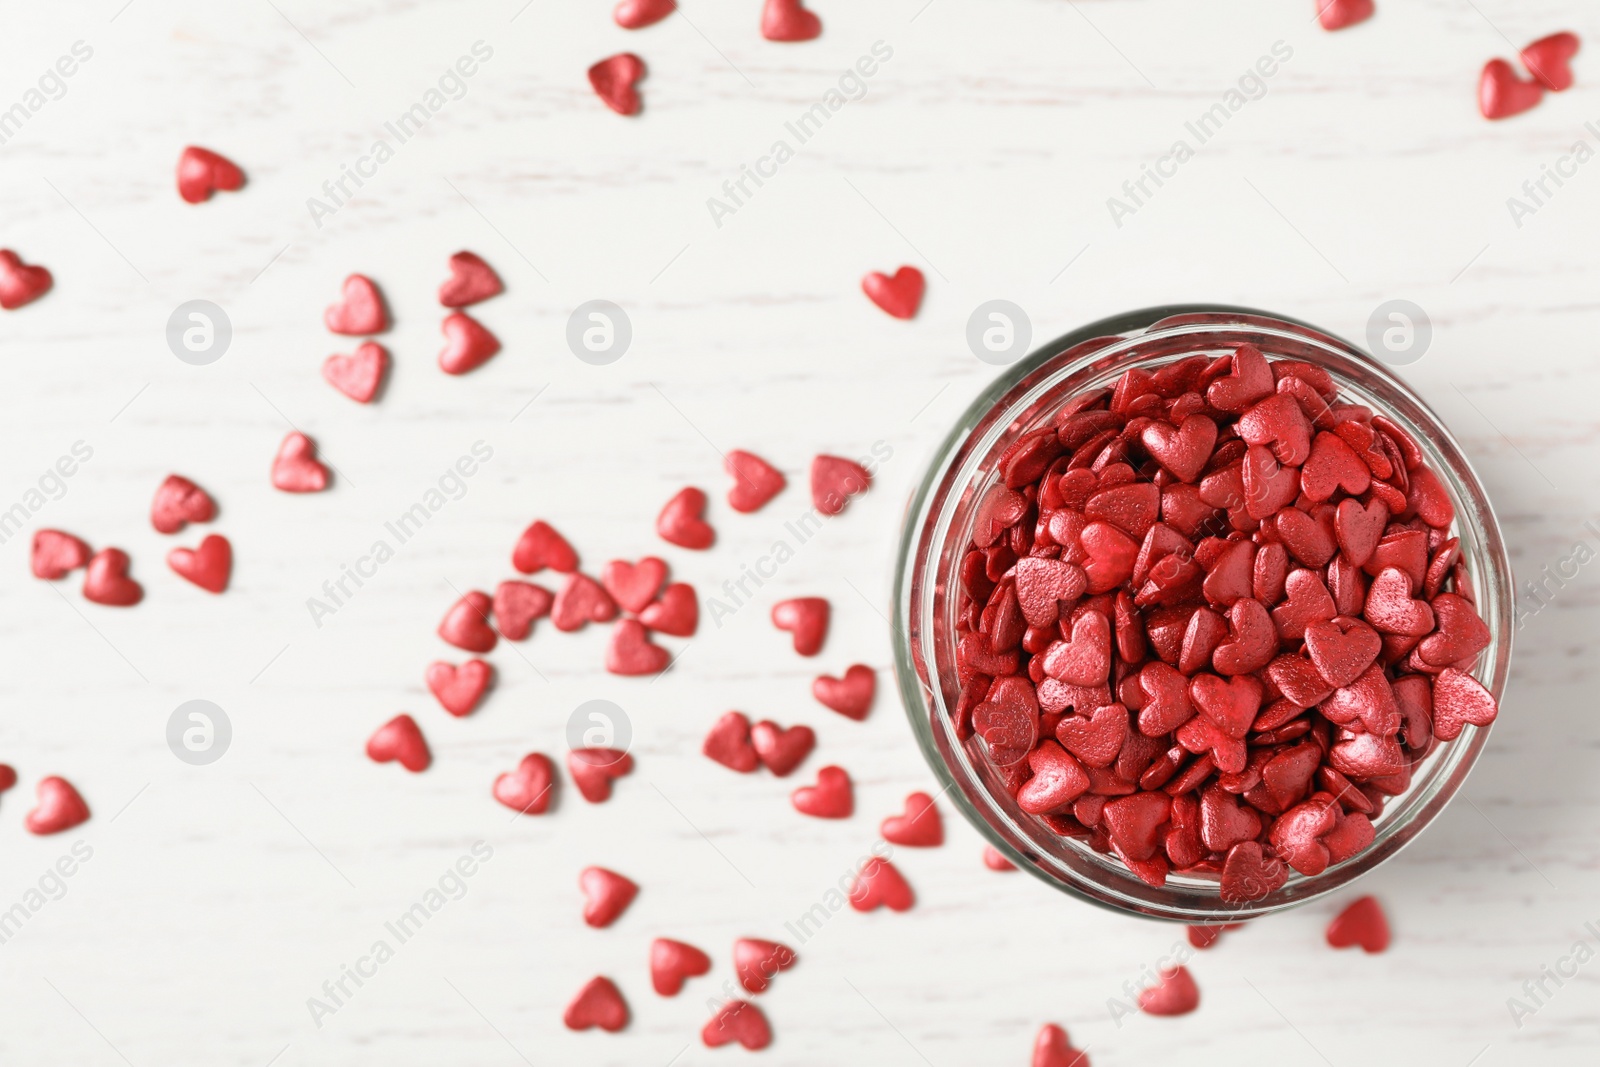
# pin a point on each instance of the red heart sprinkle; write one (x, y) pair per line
(1360, 528)
(1342, 649)
(899, 295)
(59, 808)
(295, 468)
(581, 601)
(1043, 585)
(1459, 699)
(637, 14)
(360, 311)
(1058, 779)
(851, 696)
(466, 624)
(56, 554)
(530, 788)
(834, 481)
(1249, 379)
(20, 283)
(680, 522)
(1008, 720)
(358, 375)
(598, 1003)
(8, 777)
(1097, 738)
(780, 749)
(807, 618)
(633, 585)
(830, 798)
(1249, 875)
(1224, 822)
(1547, 60)
(1390, 608)
(208, 566)
(676, 613)
(755, 481)
(607, 895)
(201, 171)
(471, 281)
(468, 344)
(674, 962)
(1183, 450)
(179, 501)
(1051, 1048)
(1502, 94)
(630, 652)
(400, 739)
(540, 546)
(517, 605)
(757, 962)
(737, 1020)
(729, 743)
(1460, 633)
(613, 80)
(1085, 660)
(592, 770)
(995, 861)
(1280, 422)
(1253, 639)
(786, 20)
(106, 581)
(1296, 836)
(919, 827)
(1135, 824)
(1362, 923)
(1173, 994)
(879, 884)
(1231, 704)
(1111, 555)
(1333, 465)
(1338, 14)
(458, 689)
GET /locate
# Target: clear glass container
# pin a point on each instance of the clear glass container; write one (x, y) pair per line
(938, 529)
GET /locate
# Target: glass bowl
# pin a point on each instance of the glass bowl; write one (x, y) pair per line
(938, 529)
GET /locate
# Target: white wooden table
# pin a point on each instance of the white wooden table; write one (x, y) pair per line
(219, 898)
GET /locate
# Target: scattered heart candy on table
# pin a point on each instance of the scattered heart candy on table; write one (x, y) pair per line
(360, 311)
(899, 295)
(471, 281)
(55, 554)
(788, 20)
(598, 1003)
(1362, 923)
(758, 962)
(296, 469)
(202, 172)
(179, 501)
(1052, 1048)
(737, 1020)
(21, 283)
(359, 374)
(607, 895)
(614, 80)
(530, 788)
(208, 566)
(830, 798)
(637, 14)
(60, 807)
(674, 962)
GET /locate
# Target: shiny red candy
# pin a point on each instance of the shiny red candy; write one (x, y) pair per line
(517, 605)
(680, 521)
(781, 750)
(607, 895)
(993, 860)
(530, 788)
(1362, 923)
(1173, 994)
(594, 769)
(919, 827)
(630, 653)
(613, 80)
(581, 601)
(1548, 60)
(458, 689)
(737, 1020)
(56, 554)
(295, 468)
(899, 295)
(636, 14)
(1502, 94)
(59, 807)
(21, 283)
(1052, 1048)
(598, 1003)
(834, 481)
(179, 501)
(788, 20)
(400, 739)
(466, 624)
(202, 171)
(208, 566)
(807, 619)
(677, 612)
(880, 884)
(471, 281)
(468, 344)
(757, 962)
(674, 962)
(359, 374)
(360, 311)
(831, 798)
(755, 481)
(729, 743)
(106, 580)
(1210, 617)
(540, 546)
(1337, 14)
(633, 585)
(851, 696)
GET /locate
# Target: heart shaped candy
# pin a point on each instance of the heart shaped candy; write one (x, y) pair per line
(359, 374)
(1342, 649)
(581, 601)
(106, 580)
(779, 749)
(899, 295)
(607, 895)
(20, 283)
(471, 281)
(1044, 585)
(755, 481)
(729, 743)
(1097, 738)
(1547, 60)
(1361, 923)
(787, 20)
(598, 1003)
(831, 798)
(55, 554)
(851, 696)
(1459, 699)
(676, 613)
(466, 624)
(1249, 874)
(919, 827)
(1502, 94)
(879, 884)
(458, 689)
(737, 1020)
(400, 739)
(1184, 449)
(633, 585)
(613, 80)
(805, 617)
(360, 311)
(1051, 1048)
(680, 522)
(630, 653)
(1338, 14)
(59, 808)
(530, 788)
(540, 546)
(1084, 660)
(295, 468)
(834, 481)
(1390, 608)
(1173, 994)
(593, 770)
(202, 171)
(208, 566)
(468, 344)
(179, 501)
(637, 14)
(757, 962)
(517, 605)
(673, 962)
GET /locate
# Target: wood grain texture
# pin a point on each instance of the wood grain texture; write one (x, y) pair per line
(220, 898)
